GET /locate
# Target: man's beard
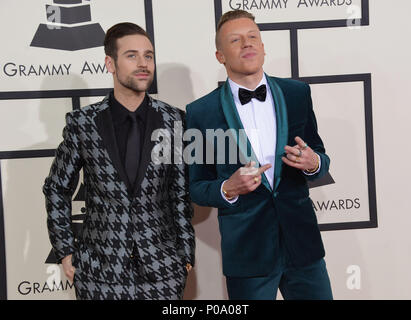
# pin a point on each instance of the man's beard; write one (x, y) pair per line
(134, 84)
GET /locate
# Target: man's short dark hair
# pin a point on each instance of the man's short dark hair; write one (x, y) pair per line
(231, 15)
(118, 31)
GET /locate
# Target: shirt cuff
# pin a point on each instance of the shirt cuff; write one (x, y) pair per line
(231, 201)
(318, 170)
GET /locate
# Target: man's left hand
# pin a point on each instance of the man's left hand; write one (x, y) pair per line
(300, 156)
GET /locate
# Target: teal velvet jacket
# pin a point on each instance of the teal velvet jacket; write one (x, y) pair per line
(251, 228)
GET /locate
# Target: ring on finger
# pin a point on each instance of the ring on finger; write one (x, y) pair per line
(255, 179)
(297, 160)
(305, 146)
(300, 153)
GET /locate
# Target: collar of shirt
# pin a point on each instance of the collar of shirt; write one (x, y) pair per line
(119, 112)
(235, 87)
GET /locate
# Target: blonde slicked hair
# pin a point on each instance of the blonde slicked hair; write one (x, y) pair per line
(231, 15)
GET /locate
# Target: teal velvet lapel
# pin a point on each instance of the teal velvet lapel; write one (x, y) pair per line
(234, 122)
(282, 127)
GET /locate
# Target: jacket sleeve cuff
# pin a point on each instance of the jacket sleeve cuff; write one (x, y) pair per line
(60, 254)
(318, 169)
(230, 201)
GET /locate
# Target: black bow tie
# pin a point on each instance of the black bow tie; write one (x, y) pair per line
(246, 95)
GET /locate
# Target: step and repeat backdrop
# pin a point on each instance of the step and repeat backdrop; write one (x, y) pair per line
(353, 53)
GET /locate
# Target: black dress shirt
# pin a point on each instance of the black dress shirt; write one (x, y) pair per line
(122, 124)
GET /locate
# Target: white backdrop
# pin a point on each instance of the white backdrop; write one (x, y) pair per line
(368, 90)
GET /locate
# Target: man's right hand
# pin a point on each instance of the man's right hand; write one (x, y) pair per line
(244, 180)
(68, 267)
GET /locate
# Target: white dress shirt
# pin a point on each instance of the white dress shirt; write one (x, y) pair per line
(259, 122)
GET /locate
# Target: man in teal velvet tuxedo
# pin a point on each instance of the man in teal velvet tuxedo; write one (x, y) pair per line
(269, 232)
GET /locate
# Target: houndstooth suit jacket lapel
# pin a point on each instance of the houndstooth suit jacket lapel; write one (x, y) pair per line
(154, 121)
(105, 128)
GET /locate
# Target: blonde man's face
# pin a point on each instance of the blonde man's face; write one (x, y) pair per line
(241, 49)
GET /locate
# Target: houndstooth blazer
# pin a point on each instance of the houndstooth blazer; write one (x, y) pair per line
(154, 217)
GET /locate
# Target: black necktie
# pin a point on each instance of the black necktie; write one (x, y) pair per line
(245, 95)
(133, 149)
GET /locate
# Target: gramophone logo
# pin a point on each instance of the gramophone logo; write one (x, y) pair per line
(68, 27)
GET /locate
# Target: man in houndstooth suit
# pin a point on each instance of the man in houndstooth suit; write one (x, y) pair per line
(137, 240)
